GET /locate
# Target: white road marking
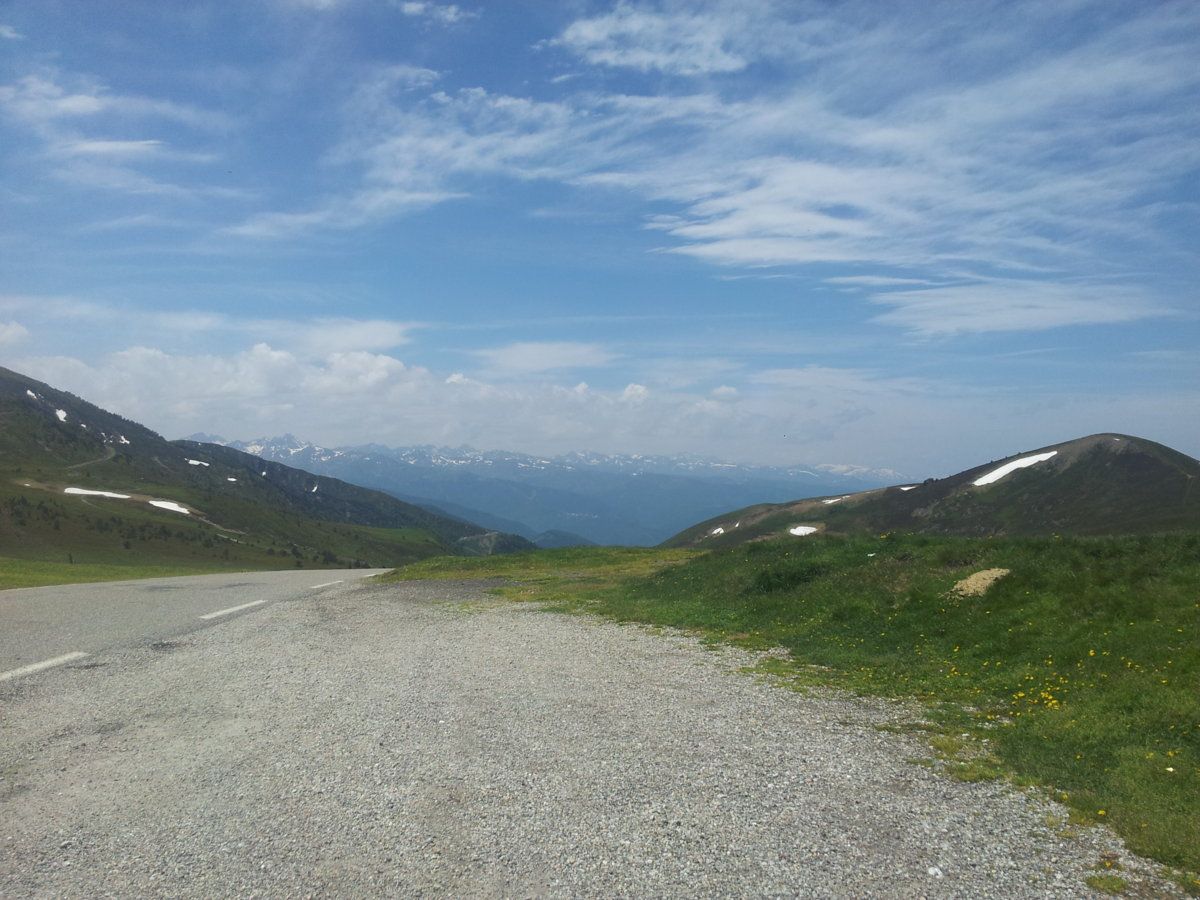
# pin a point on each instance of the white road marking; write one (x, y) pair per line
(326, 584)
(39, 666)
(233, 609)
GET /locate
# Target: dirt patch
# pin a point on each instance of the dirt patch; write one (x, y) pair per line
(976, 585)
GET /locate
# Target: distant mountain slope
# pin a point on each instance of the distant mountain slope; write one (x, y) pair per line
(606, 499)
(1100, 484)
(76, 479)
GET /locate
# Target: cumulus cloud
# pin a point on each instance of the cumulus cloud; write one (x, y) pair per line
(12, 333)
(786, 416)
(8, 33)
(525, 357)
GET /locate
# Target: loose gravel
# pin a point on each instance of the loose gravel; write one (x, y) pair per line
(426, 739)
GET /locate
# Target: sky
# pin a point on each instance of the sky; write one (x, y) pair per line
(917, 236)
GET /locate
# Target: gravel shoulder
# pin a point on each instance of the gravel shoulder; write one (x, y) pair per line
(423, 738)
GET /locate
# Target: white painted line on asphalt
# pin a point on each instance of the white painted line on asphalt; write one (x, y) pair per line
(39, 666)
(326, 584)
(233, 609)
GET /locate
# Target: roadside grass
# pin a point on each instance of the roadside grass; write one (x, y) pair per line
(1078, 671)
(558, 577)
(20, 573)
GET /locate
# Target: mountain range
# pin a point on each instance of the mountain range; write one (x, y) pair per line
(1095, 485)
(73, 475)
(575, 498)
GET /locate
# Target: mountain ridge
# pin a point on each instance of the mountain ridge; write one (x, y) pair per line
(1106, 483)
(600, 498)
(76, 479)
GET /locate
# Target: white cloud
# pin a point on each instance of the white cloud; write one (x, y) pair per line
(42, 99)
(804, 414)
(940, 177)
(528, 357)
(630, 37)
(8, 33)
(1012, 305)
(12, 333)
(445, 13)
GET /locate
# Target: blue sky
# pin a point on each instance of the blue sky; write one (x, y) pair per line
(906, 235)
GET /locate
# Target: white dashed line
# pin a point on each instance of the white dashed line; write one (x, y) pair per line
(233, 609)
(39, 666)
(326, 584)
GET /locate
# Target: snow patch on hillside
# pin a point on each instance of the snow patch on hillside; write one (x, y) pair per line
(62, 414)
(170, 505)
(802, 530)
(197, 462)
(996, 474)
(86, 493)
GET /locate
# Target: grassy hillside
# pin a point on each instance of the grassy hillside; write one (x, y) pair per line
(1101, 484)
(225, 509)
(1078, 670)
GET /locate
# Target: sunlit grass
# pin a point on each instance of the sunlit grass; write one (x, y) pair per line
(20, 573)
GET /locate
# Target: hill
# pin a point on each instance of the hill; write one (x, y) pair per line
(82, 484)
(1103, 484)
(596, 498)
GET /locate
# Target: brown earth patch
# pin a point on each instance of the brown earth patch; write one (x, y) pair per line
(976, 585)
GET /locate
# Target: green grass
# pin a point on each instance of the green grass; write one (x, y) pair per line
(1079, 671)
(1107, 883)
(20, 573)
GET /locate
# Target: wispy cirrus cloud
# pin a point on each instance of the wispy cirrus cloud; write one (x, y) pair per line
(1038, 166)
(679, 42)
(443, 13)
(8, 33)
(74, 120)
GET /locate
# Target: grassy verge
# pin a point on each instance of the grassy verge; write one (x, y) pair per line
(1080, 670)
(20, 573)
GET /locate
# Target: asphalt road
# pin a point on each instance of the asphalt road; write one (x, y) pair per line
(427, 739)
(41, 625)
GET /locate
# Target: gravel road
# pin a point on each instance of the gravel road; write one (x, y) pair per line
(425, 739)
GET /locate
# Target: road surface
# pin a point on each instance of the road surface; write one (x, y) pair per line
(427, 739)
(44, 624)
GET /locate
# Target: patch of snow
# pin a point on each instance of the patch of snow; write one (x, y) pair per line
(123, 440)
(264, 474)
(62, 414)
(996, 474)
(85, 492)
(834, 500)
(315, 486)
(909, 487)
(716, 531)
(801, 530)
(197, 462)
(170, 505)
(32, 394)
(231, 479)
(870, 554)
(737, 524)
(83, 426)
